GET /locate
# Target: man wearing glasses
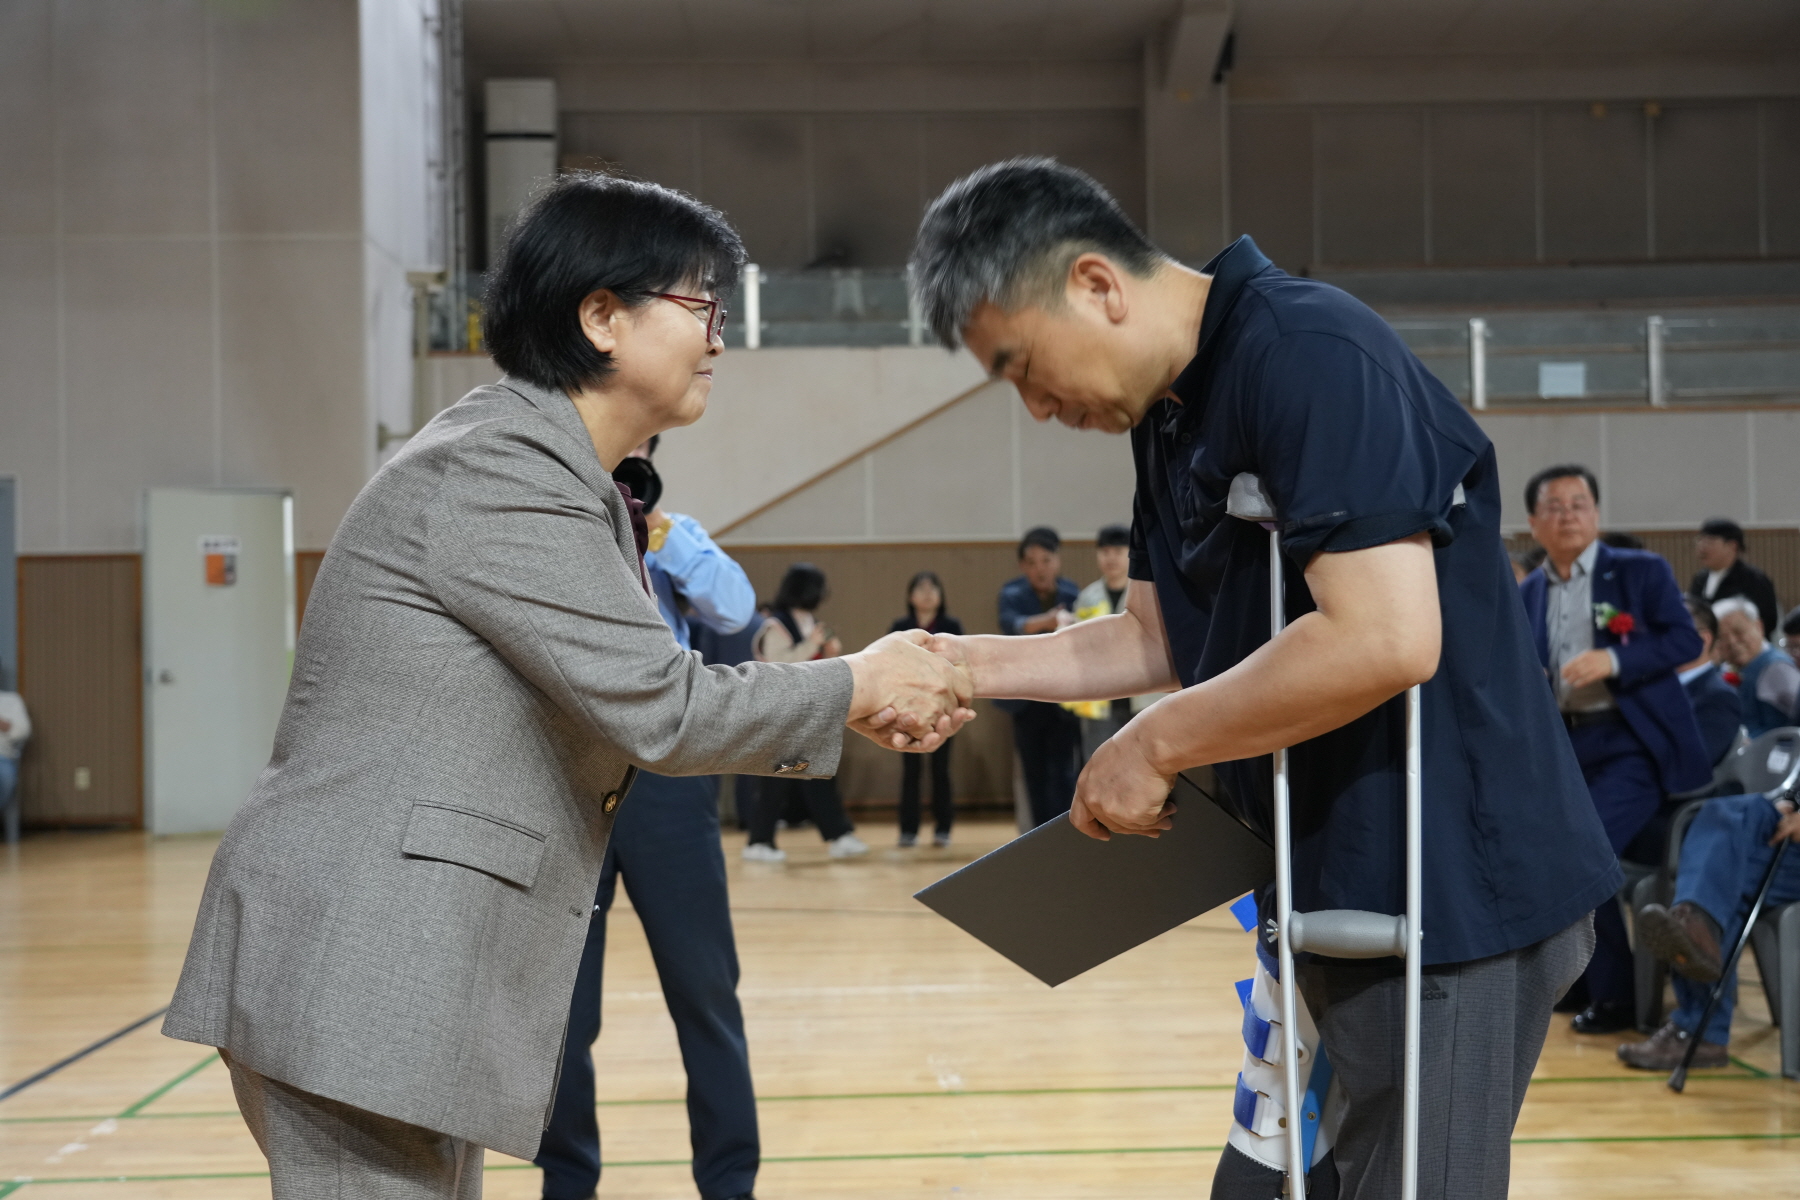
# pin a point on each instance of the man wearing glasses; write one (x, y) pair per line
(1612, 631)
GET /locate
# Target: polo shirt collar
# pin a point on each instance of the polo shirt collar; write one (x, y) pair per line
(1230, 269)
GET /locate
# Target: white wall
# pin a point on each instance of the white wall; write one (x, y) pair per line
(778, 418)
(180, 259)
(403, 201)
(898, 444)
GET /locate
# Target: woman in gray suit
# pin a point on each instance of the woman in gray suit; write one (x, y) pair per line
(390, 931)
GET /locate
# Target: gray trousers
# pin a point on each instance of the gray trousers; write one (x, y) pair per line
(1482, 1028)
(319, 1149)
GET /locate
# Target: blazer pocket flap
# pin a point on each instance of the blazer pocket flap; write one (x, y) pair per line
(472, 840)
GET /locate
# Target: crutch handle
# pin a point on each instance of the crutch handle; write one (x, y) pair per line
(1349, 933)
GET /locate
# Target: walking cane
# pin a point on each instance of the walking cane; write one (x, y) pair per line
(1339, 933)
(1678, 1077)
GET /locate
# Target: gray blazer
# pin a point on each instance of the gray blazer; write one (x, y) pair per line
(395, 916)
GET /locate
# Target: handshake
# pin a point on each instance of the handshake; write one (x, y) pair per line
(907, 697)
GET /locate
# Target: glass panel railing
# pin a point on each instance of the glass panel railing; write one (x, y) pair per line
(1532, 357)
(835, 306)
(1613, 357)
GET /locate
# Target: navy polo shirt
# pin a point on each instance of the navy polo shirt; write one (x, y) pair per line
(1359, 445)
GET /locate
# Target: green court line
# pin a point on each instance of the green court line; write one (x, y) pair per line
(1754, 1070)
(1750, 1074)
(7, 1189)
(1059, 1152)
(170, 1086)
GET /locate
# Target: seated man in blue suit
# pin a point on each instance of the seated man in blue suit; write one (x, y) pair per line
(1611, 630)
(1722, 863)
(1768, 681)
(1716, 707)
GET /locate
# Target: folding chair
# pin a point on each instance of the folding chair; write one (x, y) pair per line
(1339, 933)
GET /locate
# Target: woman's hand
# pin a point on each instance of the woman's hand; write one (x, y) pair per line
(906, 697)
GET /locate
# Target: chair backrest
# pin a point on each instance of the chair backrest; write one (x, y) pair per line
(1761, 763)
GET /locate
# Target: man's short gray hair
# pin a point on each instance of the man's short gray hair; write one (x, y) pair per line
(1006, 235)
(1737, 604)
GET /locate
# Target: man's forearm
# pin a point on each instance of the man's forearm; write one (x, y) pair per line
(1099, 659)
(1375, 634)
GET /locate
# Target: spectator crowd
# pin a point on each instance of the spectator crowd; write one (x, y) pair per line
(1665, 697)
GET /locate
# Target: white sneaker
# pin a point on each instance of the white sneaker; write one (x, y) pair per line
(763, 852)
(940, 840)
(848, 846)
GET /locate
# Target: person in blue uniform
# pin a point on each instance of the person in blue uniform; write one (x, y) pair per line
(1047, 736)
(665, 845)
(1389, 499)
(1611, 630)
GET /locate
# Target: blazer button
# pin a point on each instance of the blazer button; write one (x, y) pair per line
(792, 768)
(610, 803)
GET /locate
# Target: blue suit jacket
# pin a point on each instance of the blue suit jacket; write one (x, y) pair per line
(1649, 696)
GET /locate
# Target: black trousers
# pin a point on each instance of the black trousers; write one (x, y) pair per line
(1622, 779)
(1048, 737)
(943, 807)
(820, 796)
(665, 844)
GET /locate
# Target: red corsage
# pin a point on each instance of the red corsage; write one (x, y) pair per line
(1621, 626)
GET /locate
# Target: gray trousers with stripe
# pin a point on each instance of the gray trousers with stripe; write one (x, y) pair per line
(320, 1149)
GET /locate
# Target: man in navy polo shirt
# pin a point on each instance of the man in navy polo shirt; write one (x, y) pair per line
(1390, 506)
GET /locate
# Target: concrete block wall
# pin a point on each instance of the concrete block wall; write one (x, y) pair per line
(181, 261)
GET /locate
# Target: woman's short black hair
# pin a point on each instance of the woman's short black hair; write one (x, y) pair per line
(803, 588)
(590, 231)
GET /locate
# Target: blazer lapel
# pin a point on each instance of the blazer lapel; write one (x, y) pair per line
(1608, 588)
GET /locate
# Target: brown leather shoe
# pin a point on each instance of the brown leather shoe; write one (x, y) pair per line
(1662, 1051)
(1684, 938)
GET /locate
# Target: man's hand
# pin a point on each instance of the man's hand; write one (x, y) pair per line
(1045, 622)
(906, 697)
(1120, 791)
(1788, 830)
(1587, 668)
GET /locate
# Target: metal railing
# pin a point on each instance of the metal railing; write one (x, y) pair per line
(833, 306)
(1606, 356)
(1525, 357)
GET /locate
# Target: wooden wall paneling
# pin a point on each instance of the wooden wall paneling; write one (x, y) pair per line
(81, 673)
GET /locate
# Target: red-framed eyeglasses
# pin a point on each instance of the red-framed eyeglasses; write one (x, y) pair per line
(715, 315)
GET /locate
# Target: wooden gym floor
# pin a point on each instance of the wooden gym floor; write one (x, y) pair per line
(895, 1057)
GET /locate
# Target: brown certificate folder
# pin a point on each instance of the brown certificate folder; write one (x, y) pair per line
(1058, 902)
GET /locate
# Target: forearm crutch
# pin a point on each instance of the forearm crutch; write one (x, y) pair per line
(1338, 933)
(1678, 1077)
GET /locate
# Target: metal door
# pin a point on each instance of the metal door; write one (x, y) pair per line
(218, 648)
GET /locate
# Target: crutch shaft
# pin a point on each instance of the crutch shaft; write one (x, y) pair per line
(1678, 1077)
(1284, 916)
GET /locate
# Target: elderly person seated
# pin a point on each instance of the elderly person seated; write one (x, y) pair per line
(1768, 681)
(1722, 863)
